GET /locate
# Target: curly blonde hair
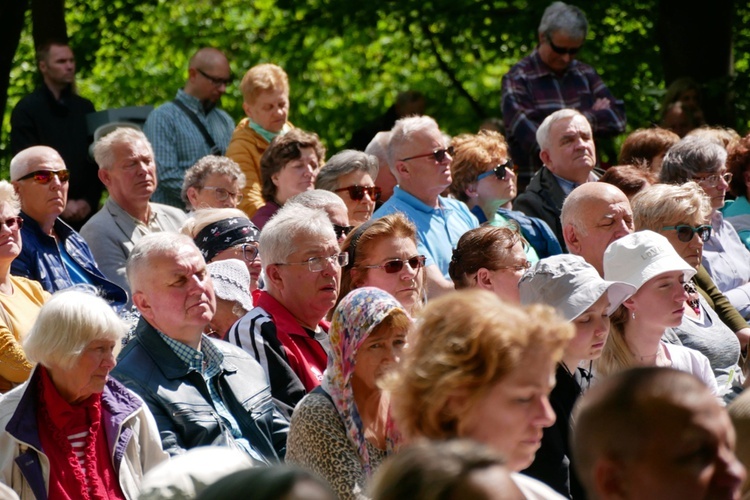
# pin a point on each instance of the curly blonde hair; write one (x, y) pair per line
(463, 343)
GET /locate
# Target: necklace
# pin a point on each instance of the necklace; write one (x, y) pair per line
(693, 299)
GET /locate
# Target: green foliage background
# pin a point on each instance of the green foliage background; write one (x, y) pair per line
(347, 60)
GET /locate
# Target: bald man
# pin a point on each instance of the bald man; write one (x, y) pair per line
(53, 253)
(654, 433)
(594, 215)
(191, 126)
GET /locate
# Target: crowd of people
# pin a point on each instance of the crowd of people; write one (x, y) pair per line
(400, 320)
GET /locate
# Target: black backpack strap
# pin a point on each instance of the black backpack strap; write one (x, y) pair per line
(202, 128)
(320, 390)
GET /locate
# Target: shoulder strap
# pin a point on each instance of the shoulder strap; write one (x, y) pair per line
(202, 128)
(319, 390)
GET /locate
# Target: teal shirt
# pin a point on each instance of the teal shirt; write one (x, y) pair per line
(737, 213)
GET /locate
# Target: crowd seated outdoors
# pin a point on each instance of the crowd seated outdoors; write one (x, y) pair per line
(405, 321)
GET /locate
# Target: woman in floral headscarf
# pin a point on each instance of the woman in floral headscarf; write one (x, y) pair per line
(342, 430)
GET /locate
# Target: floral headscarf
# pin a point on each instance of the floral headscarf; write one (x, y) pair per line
(355, 318)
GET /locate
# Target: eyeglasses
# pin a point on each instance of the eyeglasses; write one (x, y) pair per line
(45, 176)
(499, 171)
(685, 233)
(249, 252)
(222, 194)
(12, 223)
(317, 264)
(516, 267)
(396, 265)
(713, 180)
(218, 82)
(356, 193)
(562, 50)
(342, 231)
(438, 154)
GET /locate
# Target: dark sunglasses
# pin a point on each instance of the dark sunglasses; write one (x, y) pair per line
(45, 176)
(356, 193)
(499, 171)
(685, 233)
(562, 50)
(396, 265)
(12, 223)
(342, 231)
(217, 82)
(438, 154)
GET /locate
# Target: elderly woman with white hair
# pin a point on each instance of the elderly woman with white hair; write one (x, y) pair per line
(71, 431)
(213, 182)
(725, 257)
(232, 288)
(351, 175)
(20, 298)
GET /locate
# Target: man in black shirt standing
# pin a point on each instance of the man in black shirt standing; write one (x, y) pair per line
(55, 116)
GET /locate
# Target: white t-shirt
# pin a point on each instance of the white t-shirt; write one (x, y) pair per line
(533, 489)
(691, 361)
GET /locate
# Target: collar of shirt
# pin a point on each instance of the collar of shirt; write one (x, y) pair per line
(418, 204)
(566, 185)
(207, 361)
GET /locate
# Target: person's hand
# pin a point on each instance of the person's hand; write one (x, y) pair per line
(601, 103)
(76, 210)
(743, 336)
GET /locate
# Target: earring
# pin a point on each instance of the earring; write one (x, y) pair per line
(633, 314)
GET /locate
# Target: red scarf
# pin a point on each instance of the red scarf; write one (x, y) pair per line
(56, 420)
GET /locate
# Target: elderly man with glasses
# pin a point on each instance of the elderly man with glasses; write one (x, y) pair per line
(53, 253)
(287, 331)
(551, 78)
(420, 160)
(191, 126)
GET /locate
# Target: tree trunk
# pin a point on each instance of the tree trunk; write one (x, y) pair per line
(696, 41)
(11, 24)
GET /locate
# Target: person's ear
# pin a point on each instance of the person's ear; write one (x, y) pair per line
(104, 176)
(541, 38)
(545, 157)
(570, 236)
(192, 196)
(356, 276)
(248, 111)
(484, 278)
(402, 169)
(609, 479)
(746, 176)
(629, 304)
(144, 305)
(471, 190)
(274, 277)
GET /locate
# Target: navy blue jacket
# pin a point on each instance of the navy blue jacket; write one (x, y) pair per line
(533, 229)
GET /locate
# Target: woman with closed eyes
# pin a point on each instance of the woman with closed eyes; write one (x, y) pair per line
(383, 253)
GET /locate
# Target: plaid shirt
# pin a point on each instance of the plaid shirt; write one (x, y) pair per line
(531, 92)
(178, 143)
(208, 362)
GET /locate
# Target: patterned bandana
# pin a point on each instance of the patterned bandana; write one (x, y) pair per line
(226, 233)
(355, 318)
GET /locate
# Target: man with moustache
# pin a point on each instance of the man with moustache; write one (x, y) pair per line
(569, 156)
(53, 253)
(127, 169)
(191, 126)
(287, 331)
(201, 392)
(420, 160)
(54, 115)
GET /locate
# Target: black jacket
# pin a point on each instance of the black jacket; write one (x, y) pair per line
(543, 199)
(181, 403)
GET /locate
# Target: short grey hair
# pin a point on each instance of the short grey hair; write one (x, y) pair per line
(205, 216)
(566, 18)
(9, 196)
(290, 221)
(67, 323)
(542, 133)
(378, 146)
(692, 155)
(343, 163)
(317, 199)
(103, 149)
(401, 135)
(195, 176)
(150, 246)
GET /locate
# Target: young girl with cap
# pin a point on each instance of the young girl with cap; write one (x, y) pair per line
(573, 287)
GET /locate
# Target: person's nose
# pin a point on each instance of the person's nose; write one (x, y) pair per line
(198, 285)
(407, 272)
(730, 473)
(723, 185)
(545, 415)
(602, 326)
(109, 361)
(681, 294)
(696, 241)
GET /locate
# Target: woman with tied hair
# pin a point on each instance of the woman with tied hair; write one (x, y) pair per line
(213, 182)
(343, 430)
(484, 178)
(646, 147)
(231, 281)
(351, 175)
(72, 431)
(725, 257)
(226, 233)
(737, 211)
(491, 258)
(710, 324)
(20, 298)
(383, 253)
(289, 166)
(648, 261)
(481, 369)
(265, 95)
